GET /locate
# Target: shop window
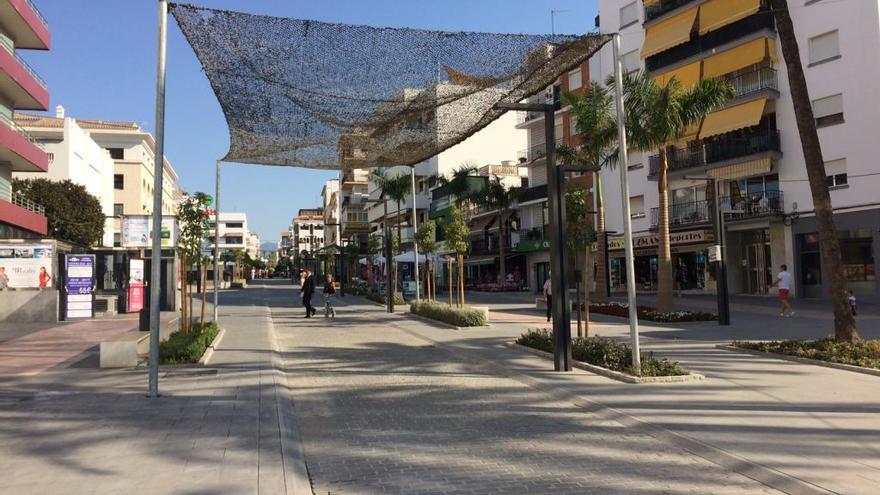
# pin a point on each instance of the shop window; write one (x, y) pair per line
(811, 265)
(856, 248)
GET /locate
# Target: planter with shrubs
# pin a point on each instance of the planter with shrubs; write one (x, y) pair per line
(609, 358)
(381, 299)
(862, 356)
(459, 317)
(651, 314)
(188, 348)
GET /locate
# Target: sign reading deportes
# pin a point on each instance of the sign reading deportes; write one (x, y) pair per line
(22, 264)
(652, 240)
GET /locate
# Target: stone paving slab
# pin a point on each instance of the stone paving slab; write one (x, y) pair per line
(382, 411)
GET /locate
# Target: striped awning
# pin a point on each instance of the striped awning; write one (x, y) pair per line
(742, 170)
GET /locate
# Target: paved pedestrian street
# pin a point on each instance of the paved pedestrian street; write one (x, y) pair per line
(372, 403)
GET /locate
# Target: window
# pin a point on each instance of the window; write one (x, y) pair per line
(824, 48)
(828, 110)
(856, 250)
(118, 181)
(117, 153)
(836, 172)
(234, 225)
(574, 79)
(118, 209)
(635, 166)
(117, 239)
(51, 157)
(630, 61)
(637, 206)
(629, 14)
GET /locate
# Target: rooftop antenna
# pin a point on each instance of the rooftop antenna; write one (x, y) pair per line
(553, 19)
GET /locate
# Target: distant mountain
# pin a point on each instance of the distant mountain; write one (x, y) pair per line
(269, 246)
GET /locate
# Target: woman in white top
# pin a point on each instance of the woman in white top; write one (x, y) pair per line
(783, 281)
(548, 296)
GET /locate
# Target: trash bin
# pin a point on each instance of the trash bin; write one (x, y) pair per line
(144, 320)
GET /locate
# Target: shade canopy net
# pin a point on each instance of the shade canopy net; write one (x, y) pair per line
(337, 96)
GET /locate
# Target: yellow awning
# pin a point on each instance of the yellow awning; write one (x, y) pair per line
(715, 14)
(733, 118)
(742, 170)
(669, 33)
(736, 58)
(687, 75)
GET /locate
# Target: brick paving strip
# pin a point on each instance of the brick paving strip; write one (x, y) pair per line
(384, 409)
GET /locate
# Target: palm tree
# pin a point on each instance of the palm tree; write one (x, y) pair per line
(845, 328)
(656, 117)
(598, 131)
(498, 197)
(459, 183)
(393, 188)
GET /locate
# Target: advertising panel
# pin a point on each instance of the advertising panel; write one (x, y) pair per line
(26, 266)
(135, 285)
(137, 231)
(79, 284)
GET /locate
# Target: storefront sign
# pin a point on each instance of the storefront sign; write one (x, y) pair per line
(137, 231)
(79, 284)
(714, 253)
(27, 266)
(135, 285)
(652, 240)
(525, 246)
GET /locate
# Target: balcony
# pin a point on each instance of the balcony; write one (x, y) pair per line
(489, 245)
(719, 150)
(537, 151)
(663, 6)
(355, 227)
(24, 214)
(760, 21)
(23, 22)
(533, 194)
(743, 206)
(749, 83)
(18, 82)
(685, 214)
(20, 149)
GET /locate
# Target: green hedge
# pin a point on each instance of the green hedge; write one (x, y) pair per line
(865, 353)
(460, 317)
(604, 352)
(186, 348)
(381, 299)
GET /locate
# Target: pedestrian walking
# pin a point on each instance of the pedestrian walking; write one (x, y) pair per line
(853, 305)
(4, 278)
(329, 293)
(783, 282)
(548, 297)
(308, 290)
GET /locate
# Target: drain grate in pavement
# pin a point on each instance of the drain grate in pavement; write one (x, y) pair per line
(191, 372)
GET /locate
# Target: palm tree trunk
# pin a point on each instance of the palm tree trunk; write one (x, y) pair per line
(601, 259)
(587, 269)
(845, 329)
(664, 255)
(503, 275)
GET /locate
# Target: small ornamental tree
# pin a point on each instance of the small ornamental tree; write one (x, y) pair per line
(580, 235)
(73, 214)
(457, 232)
(193, 223)
(426, 240)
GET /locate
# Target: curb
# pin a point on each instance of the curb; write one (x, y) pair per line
(209, 352)
(293, 459)
(614, 375)
(802, 360)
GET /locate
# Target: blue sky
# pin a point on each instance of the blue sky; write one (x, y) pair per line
(103, 61)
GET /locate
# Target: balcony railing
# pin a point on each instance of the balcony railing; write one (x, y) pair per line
(19, 200)
(718, 150)
(30, 70)
(537, 151)
(37, 11)
(656, 10)
(533, 193)
(754, 81)
(731, 32)
(684, 214)
(489, 245)
(741, 206)
(20, 131)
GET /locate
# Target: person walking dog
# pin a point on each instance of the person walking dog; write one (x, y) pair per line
(308, 290)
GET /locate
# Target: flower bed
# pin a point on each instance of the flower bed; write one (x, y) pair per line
(865, 354)
(651, 314)
(460, 317)
(186, 348)
(605, 353)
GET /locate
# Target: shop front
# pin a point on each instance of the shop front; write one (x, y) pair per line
(690, 264)
(859, 236)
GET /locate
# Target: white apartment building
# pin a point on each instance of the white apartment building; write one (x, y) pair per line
(253, 245)
(332, 206)
(307, 231)
(233, 234)
(752, 147)
(498, 143)
(75, 156)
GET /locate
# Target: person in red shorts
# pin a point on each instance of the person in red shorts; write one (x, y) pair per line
(783, 281)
